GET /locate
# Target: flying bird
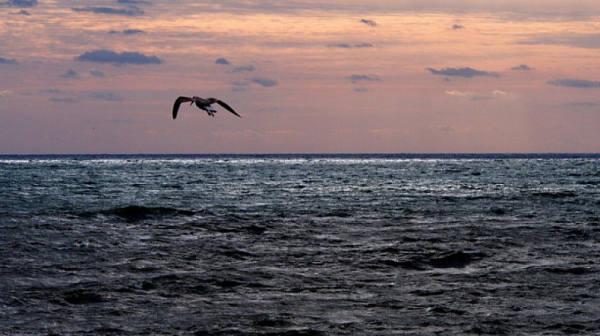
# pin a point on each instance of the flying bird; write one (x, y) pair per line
(203, 104)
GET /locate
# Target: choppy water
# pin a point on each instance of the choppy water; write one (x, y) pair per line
(300, 245)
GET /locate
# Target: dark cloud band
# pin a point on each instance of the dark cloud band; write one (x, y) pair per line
(462, 72)
(369, 22)
(367, 78)
(264, 81)
(521, 67)
(20, 3)
(109, 56)
(575, 83)
(131, 11)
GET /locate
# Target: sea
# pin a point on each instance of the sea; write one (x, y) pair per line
(300, 244)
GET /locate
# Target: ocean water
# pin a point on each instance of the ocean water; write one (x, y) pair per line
(300, 245)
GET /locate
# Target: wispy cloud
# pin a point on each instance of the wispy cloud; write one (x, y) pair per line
(127, 31)
(109, 56)
(132, 31)
(521, 67)
(7, 61)
(106, 96)
(475, 96)
(264, 81)
(66, 100)
(585, 104)
(286, 132)
(96, 73)
(366, 78)
(446, 129)
(135, 2)
(349, 46)
(462, 72)
(588, 41)
(575, 83)
(70, 74)
(51, 91)
(369, 22)
(244, 68)
(5, 93)
(130, 11)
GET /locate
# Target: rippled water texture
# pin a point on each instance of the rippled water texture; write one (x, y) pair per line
(300, 245)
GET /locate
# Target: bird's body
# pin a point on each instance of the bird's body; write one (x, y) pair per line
(203, 104)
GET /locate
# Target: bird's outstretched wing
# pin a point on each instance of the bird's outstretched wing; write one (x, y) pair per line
(227, 107)
(178, 102)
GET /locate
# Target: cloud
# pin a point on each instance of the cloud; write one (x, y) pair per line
(348, 46)
(244, 68)
(521, 67)
(222, 61)
(51, 91)
(109, 56)
(131, 11)
(456, 93)
(6, 94)
(368, 78)
(455, 8)
(369, 22)
(587, 41)
(575, 83)
(135, 2)
(285, 132)
(106, 96)
(457, 27)
(127, 32)
(70, 74)
(462, 72)
(361, 89)
(20, 3)
(132, 31)
(446, 129)
(264, 81)
(96, 73)
(23, 12)
(7, 61)
(68, 100)
(239, 86)
(585, 104)
(474, 96)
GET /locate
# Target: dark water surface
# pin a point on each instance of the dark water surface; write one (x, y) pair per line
(300, 245)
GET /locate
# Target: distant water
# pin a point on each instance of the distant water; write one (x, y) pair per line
(300, 245)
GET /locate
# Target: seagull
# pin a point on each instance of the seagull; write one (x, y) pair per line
(203, 104)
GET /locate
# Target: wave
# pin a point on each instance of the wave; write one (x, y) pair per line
(135, 213)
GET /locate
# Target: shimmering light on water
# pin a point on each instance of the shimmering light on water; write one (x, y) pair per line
(299, 245)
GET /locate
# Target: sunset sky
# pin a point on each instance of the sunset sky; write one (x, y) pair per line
(352, 76)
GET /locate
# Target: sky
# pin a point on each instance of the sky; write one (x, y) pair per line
(352, 76)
